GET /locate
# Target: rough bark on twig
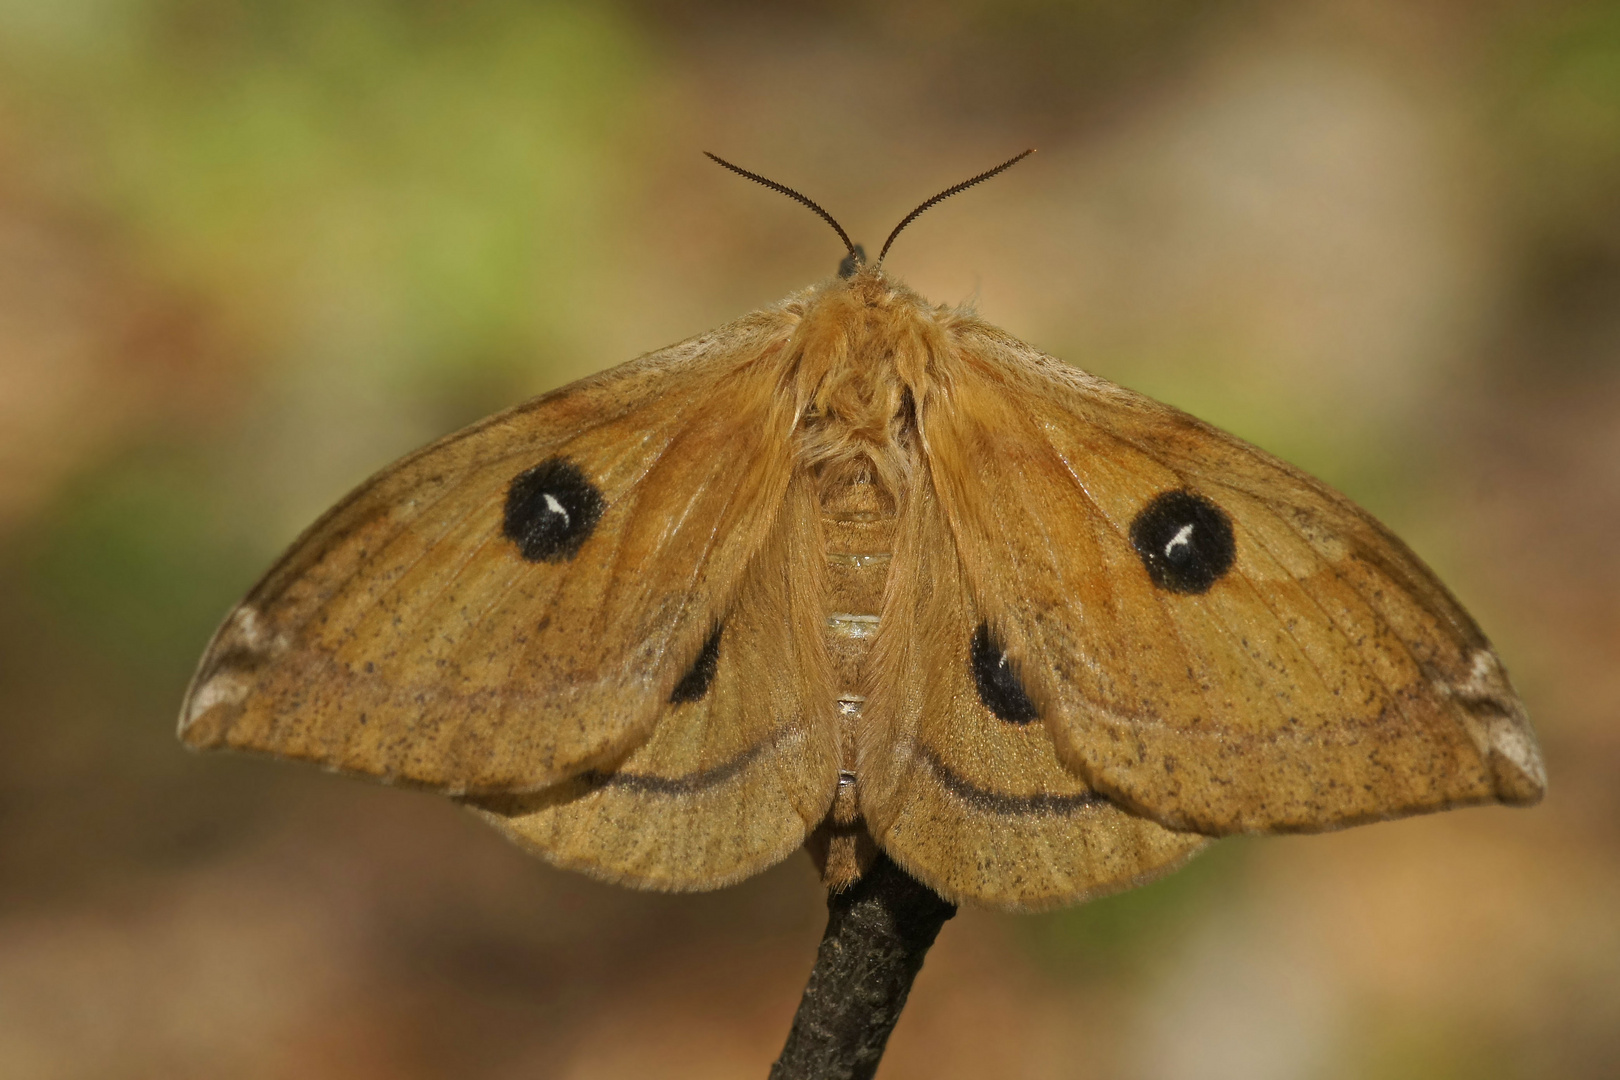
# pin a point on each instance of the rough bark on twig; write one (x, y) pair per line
(878, 931)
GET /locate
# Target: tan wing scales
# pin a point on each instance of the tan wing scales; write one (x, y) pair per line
(511, 605)
(977, 806)
(1319, 677)
(739, 766)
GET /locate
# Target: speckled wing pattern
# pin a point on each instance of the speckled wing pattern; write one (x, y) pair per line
(1213, 639)
(446, 626)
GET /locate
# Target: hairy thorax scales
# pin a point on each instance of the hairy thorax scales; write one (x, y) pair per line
(863, 356)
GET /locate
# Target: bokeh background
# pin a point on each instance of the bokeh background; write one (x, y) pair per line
(251, 251)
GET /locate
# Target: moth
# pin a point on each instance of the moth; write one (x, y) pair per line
(858, 572)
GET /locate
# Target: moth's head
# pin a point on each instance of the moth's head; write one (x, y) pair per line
(854, 263)
(865, 285)
(863, 279)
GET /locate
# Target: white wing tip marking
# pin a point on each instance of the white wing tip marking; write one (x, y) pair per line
(1495, 717)
(1514, 743)
(246, 627)
(240, 647)
(226, 688)
(246, 630)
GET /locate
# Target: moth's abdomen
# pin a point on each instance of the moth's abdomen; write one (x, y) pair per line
(858, 525)
(857, 520)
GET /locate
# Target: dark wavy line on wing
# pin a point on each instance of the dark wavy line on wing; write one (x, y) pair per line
(690, 784)
(994, 802)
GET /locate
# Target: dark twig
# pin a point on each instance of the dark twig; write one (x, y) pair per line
(878, 931)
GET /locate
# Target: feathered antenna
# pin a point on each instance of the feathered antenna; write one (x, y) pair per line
(854, 250)
(941, 197)
(857, 255)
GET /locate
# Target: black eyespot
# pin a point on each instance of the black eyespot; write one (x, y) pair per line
(551, 510)
(695, 683)
(1185, 541)
(852, 262)
(997, 682)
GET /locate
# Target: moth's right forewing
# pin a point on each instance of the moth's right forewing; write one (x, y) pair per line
(514, 603)
(1215, 640)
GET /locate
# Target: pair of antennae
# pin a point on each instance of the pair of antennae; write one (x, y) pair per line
(854, 252)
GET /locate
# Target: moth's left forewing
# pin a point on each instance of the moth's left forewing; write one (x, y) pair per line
(509, 607)
(1214, 638)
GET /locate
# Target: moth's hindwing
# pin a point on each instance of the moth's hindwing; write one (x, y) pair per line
(742, 761)
(960, 779)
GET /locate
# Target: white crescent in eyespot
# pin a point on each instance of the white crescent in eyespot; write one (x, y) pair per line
(1183, 538)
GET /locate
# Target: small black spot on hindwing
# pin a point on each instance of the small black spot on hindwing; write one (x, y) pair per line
(1185, 541)
(996, 680)
(695, 683)
(551, 510)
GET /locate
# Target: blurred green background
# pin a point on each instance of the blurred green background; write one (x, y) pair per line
(250, 252)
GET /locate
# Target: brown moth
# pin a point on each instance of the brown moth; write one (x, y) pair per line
(860, 572)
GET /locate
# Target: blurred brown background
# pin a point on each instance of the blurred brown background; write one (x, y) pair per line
(250, 252)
